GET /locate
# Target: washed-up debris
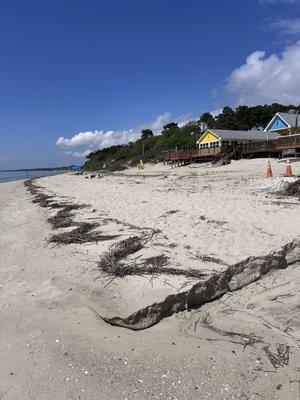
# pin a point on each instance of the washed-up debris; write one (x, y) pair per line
(84, 233)
(41, 197)
(279, 359)
(244, 339)
(46, 200)
(210, 259)
(63, 219)
(292, 189)
(128, 246)
(156, 261)
(235, 277)
(170, 213)
(112, 262)
(31, 186)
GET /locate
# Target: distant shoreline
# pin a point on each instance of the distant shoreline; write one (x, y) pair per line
(17, 175)
(35, 169)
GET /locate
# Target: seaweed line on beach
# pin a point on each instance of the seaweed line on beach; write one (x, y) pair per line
(84, 232)
(208, 288)
(113, 261)
(235, 277)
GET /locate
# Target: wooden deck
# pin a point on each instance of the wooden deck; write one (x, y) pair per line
(272, 146)
(190, 154)
(267, 146)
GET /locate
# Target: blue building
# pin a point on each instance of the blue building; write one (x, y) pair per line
(284, 124)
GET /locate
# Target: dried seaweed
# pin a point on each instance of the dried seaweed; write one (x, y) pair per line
(210, 259)
(39, 198)
(291, 189)
(169, 213)
(280, 358)
(62, 219)
(84, 233)
(156, 261)
(240, 338)
(112, 263)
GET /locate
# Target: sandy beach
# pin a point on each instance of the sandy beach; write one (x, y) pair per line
(54, 299)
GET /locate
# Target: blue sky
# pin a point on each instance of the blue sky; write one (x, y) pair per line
(79, 75)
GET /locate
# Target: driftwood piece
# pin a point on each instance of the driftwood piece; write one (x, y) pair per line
(281, 357)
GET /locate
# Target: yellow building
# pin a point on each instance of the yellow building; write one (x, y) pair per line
(223, 138)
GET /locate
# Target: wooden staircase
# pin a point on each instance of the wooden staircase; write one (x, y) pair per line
(227, 154)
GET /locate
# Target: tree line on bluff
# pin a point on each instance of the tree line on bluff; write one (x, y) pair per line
(150, 146)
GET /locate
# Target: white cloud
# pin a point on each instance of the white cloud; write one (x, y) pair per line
(286, 26)
(157, 125)
(80, 139)
(215, 113)
(83, 143)
(184, 119)
(267, 79)
(78, 154)
(101, 139)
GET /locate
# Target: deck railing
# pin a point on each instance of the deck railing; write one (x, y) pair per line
(193, 153)
(274, 145)
(267, 146)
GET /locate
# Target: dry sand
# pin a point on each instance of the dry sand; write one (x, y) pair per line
(53, 343)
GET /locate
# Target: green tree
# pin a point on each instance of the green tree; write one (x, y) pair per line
(207, 121)
(226, 120)
(146, 134)
(189, 134)
(244, 118)
(170, 129)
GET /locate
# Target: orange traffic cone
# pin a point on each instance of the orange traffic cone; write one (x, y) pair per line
(269, 171)
(288, 169)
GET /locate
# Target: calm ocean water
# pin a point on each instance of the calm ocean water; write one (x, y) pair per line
(17, 175)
